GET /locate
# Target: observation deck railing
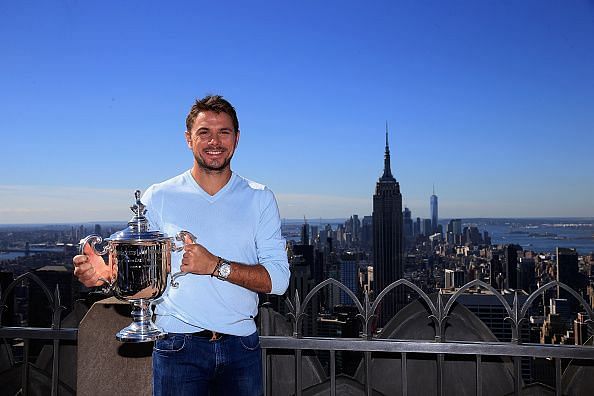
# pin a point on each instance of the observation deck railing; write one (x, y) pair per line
(367, 343)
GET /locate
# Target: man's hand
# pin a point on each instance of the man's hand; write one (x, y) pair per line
(89, 267)
(197, 259)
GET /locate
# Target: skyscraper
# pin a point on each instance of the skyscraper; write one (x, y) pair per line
(510, 265)
(453, 278)
(356, 229)
(387, 238)
(427, 227)
(567, 267)
(526, 274)
(568, 273)
(417, 227)
(496, 271)
(433, 206)
(455, 228)
(367, 232)
(407, 227)
(305, 233)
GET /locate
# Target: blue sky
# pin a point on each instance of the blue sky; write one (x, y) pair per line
(493, 101)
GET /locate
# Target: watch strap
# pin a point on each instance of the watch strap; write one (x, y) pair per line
(217, 270)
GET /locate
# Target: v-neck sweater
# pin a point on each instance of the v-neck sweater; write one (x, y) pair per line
(240, 223)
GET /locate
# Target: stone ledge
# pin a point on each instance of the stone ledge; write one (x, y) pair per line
(105, 365)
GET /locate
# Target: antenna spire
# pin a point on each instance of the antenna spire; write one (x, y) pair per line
(387, 171)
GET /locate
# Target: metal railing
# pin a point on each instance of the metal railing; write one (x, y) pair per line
(439, 313)
(55, 333)
(367, 344)
(404, 347)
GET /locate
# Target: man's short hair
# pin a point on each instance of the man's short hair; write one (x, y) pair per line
(214, 103)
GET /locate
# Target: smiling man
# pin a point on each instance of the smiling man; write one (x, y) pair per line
(212, 346)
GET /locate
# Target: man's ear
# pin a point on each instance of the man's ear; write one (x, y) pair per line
(236, 138)
(188, 137)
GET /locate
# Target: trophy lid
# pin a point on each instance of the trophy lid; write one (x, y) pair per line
(138, 226)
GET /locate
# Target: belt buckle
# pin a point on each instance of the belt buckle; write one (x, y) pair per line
(215, 336)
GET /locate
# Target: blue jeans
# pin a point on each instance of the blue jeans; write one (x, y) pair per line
(188, 365)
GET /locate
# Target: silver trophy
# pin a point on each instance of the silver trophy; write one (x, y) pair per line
(140, 260)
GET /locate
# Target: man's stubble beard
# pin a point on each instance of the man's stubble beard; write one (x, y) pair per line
(213, 169)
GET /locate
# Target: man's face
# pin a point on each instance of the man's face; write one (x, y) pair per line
(212, 140)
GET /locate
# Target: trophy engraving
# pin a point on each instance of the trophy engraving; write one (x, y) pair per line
(140, 259)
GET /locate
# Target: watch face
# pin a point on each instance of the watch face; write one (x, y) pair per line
(224, 270)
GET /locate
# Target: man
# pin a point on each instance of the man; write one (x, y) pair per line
(212, 344)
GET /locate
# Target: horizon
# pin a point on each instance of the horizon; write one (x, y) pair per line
(489, 102)
(309, 221)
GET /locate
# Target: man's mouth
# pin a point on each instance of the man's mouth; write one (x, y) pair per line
(214, 152)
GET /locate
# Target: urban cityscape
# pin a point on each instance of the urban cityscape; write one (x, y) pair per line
(449, 253)
(366, 254)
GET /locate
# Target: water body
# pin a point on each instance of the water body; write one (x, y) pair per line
(543, 236)
(538, 235)
(5, 256)
(10, 255)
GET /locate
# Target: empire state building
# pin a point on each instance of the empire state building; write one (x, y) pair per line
(387, 239)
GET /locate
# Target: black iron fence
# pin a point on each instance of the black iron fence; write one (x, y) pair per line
(439, 312)
(296, 345)
(55, 332)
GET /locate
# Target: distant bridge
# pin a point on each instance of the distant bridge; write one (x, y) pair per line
(34, 250)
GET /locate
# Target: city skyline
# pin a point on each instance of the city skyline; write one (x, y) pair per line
(489, 101)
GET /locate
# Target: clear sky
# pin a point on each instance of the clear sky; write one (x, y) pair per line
(491, 101)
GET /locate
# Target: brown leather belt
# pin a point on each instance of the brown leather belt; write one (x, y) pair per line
(211, 335)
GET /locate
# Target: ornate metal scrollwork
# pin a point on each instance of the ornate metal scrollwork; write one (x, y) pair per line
(438, 312)
(54, 299)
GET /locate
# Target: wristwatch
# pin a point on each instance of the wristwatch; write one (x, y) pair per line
(223, 269)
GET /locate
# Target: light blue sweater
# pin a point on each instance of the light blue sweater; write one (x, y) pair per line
(240, 223)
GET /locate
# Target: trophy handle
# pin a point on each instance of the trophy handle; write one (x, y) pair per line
(92, 240)
(180, 237)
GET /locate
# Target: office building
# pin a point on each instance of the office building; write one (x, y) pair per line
(305, 233)
(510, 266)
(408, 227)
(526, 274)
(387, 238)
(417, 227)
(567, 270)
(367, 232)
(433, 208)
(427, 227)
(454, 279)
(349, 276)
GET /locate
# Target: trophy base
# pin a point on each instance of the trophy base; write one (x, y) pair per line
(142, 329)
(135, 333)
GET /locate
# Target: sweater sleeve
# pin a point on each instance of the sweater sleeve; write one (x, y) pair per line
(271, 246)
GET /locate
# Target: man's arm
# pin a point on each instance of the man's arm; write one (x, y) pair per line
(253, 277)
(270, 275)
(198, 260)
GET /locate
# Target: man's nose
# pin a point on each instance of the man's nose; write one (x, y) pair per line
(214, 139)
